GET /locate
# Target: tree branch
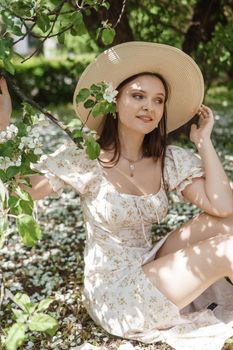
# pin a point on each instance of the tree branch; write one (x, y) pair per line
(121, 14)
(27, 99)
(50, 31)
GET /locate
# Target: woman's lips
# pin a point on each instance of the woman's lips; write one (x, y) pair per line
(145, 118)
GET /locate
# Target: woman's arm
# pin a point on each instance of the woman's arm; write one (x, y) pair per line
(40, 187)
(212, 194)
(5, 105)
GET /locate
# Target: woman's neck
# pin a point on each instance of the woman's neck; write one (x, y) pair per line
(131, 145)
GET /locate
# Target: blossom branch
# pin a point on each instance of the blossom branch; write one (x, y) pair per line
(27, 99)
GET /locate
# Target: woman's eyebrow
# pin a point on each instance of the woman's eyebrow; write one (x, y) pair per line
(143, 91)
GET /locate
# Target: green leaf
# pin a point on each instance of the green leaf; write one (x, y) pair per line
(77, 134)
(52, 331)
(96, 110)
(95, 88)
(27, 109)
(79, 27)
(17, 30)
(41, 322)
(5, 48)
(82, 95)
(22, 194)
(61, 38)
(21, 8)
(15, 336)
(26, 207)
(31, 157)
(29, 229)
(7, 148)
(13, 201)
(100, 108)
(92, 147)
(89, 104)
(20, 316)
(24, 181)
(108, 35)
(22, 300)
(3, 228)
(74, 123)
(106, 4)
(111, 108)
(22, 128)
(12, 171)
(3, 176)
(9, 66)
(44, 304)
(43, 22)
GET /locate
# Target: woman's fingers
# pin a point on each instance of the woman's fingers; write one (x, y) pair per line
(205, 112)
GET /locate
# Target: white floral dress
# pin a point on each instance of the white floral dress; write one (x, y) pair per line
(117, 294)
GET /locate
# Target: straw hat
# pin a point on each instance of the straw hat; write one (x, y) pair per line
(116, 64)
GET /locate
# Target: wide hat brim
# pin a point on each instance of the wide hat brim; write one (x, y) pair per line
(114, 65)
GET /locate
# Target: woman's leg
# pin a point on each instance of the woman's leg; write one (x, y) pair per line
(183, 275)
(195, 230)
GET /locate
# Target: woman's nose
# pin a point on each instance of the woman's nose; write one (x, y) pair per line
(147, 106)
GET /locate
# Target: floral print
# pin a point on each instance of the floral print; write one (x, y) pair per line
(117, 294)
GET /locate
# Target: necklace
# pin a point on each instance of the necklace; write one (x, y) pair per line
(132, 163)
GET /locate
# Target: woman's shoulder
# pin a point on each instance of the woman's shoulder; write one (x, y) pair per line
(181, 163)
(172, 150)
(69, 158)
(180, 155)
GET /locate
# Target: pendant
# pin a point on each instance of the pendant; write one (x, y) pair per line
(131, 168)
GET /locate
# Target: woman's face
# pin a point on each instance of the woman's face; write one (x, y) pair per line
(140, 104)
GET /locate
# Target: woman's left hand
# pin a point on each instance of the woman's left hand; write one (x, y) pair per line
(202, 132)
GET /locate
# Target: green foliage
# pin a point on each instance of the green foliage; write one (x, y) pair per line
(168, 22)
(29, 229)
(17, 151)
(49, 81)
(29, 317)
(92, 147)
(47, 19)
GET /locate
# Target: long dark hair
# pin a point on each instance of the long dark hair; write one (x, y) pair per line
(154, 143)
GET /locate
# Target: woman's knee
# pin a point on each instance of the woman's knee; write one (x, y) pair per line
(222, 244)
(218, 225)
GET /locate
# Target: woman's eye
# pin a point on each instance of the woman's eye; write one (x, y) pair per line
(160, 101)
(138, 97)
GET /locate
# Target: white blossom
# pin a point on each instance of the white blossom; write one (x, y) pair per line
(18, 161)
(5, 163)
(42, 121)
(13, 129)
(37, 146)
(38, 151)
(8, 134)
(3, 134)
(35, 132)
(110, 94)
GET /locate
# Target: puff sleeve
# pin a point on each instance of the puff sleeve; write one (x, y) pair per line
(69, 167)
(181, 167)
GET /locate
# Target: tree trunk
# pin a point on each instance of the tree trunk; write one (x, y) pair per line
(206, 15)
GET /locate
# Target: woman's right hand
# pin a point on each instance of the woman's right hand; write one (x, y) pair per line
(5, 105)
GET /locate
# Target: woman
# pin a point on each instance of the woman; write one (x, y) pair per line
(175, 290)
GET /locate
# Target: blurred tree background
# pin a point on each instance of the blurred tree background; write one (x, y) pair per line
(202, 28)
